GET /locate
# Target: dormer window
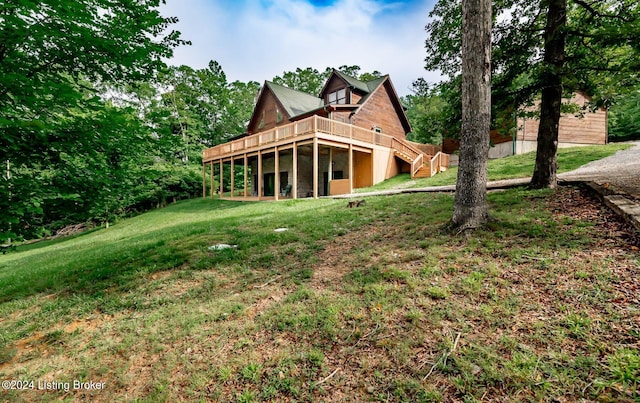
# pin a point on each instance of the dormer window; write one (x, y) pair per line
(338, 97)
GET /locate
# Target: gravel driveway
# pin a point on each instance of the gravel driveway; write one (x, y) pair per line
(620, 171)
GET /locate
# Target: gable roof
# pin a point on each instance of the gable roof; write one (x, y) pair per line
(293, 101)
(298, 104)
(372, 86)
(353, 82)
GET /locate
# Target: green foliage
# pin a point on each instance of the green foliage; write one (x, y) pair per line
(55, 130)
(311, 81)
(602, 56)
(624, 118)
(426, 110)
(201, 108)
(307, 80)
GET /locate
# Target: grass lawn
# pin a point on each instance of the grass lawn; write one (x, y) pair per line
(516, 166)
(364, 304)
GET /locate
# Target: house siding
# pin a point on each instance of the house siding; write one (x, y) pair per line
(335, 83)
(591, 128)
(379, 111)
(269, 107)
(341, 116)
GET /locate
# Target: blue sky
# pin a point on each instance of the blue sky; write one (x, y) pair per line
(258, 39)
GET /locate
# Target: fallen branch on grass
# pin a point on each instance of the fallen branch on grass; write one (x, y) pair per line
(267, 283)
(328, 377)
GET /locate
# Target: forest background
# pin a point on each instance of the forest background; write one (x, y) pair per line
(95, 126)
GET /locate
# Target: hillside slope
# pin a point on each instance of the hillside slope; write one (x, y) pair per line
(346, 304)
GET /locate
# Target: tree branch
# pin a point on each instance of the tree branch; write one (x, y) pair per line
(595, 13)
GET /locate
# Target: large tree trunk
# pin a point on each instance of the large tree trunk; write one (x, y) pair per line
(470, 210)
(544, 174)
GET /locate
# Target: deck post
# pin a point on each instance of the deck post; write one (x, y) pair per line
(351, 170)
(276, 179)
(246, 171)
(204, 181)
(233, 176)
(295, 170)
(221, 178)
(330, 172)
(259, 174)
(315, 167)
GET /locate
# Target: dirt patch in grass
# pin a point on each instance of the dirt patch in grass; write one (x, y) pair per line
(337, 259)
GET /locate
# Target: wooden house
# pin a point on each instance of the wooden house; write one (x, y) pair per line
(587, 128)
(575, 129)
(351, 135)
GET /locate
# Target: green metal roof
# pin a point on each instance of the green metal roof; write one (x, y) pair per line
(354, 82)
(295, 102)
(373, 84)
(298, 103)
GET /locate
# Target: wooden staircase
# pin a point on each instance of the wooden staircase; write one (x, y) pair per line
(423, 172)
(422, 165)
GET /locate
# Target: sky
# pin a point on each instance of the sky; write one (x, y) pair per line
(255, 40)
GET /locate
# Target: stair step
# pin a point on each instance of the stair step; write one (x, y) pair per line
(423, 172)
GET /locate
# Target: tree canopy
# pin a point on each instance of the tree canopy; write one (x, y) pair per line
(55, 57)
(51, 49)
(311, 80)
(601, 51)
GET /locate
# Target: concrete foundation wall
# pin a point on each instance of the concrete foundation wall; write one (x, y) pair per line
(501, 150)
(523, 147)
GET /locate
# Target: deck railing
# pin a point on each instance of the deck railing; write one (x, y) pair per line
(438, 161)
(318, 124)
(303, 127)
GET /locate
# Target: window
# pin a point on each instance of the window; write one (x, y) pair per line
(338, 97)
(377, 129)
(278, 116)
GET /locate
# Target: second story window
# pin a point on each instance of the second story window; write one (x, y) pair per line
(338, 97)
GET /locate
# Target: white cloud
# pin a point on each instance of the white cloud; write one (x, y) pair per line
(258, 39)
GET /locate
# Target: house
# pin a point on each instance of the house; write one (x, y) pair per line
(575, 129)
(586, 128)
(351, 135)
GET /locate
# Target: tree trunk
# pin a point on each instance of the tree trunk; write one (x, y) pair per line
(470, 210)
(544, 173)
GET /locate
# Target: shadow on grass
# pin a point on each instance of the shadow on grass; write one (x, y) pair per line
(100, 259)
(117, 259)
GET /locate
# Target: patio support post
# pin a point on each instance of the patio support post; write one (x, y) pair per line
(315, 167)
(204, 181)
(330, 172)
(211, 175)
(259, 174)
(276, 179)
(221, 177)
(246, 171)
(351, 168)
(233, 176)
(295, 170)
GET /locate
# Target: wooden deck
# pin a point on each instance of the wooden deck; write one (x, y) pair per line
(315, 131)
(312, 127)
